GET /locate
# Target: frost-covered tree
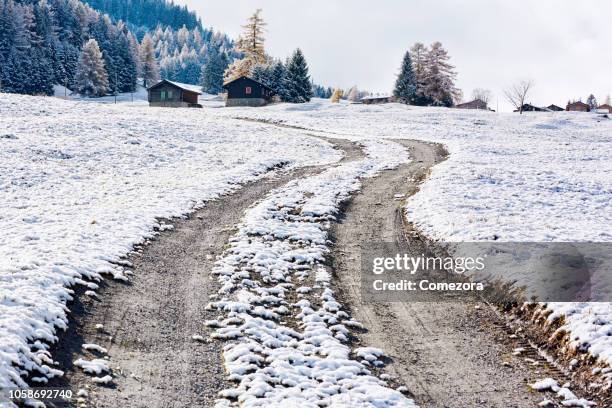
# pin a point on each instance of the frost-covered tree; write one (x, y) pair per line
(134, 47)
(91, 77)
(252, 40)
(418, 54)
(353, 94)
(251, 46)
(212, 72)
(149, 67)
(592, 102)
(297, 80)
(439, 77)
(406, 84)
(278, 80)
(608, 100)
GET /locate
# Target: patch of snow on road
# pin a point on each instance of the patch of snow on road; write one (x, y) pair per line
(286, 345)
(82, 183)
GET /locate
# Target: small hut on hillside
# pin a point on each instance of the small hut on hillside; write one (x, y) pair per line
(245, 91)
(605, 108)
(174, 95)
(555, 108)
(531, 108)
(475, 104)
(375, 99)
(578, 107)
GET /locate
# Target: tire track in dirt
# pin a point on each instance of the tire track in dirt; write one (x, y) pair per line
(447, 354)
(149, 322)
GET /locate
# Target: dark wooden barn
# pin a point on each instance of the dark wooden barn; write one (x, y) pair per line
(475, 104)
(174, 95)
(578, 107)
(555, 108)
(245, 91)
(605, 107)
(531, 108)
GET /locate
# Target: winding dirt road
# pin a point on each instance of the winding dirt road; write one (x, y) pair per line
(448, 355)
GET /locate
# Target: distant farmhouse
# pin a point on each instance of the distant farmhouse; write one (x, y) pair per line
(245, 91)
(555, 108)
(605, 108)
(475, 104)
(531, 108)
(375, 99)
(578, 107)
(174, 95)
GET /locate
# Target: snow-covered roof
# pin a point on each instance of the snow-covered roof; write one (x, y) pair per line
(376, 97)
(187, 87)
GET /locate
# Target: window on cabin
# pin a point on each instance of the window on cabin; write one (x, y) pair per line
(169, 94)
(247, 90)
(163, 95)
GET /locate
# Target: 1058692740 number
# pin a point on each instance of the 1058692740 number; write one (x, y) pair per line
(40, 394)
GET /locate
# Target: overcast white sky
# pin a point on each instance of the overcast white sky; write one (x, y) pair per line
(564, 46)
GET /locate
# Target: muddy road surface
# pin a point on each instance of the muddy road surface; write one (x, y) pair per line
(446, 354)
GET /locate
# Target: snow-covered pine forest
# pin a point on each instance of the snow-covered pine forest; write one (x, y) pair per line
(41, 45)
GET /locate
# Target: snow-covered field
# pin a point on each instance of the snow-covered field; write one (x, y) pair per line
(81, 183)
(509, 177)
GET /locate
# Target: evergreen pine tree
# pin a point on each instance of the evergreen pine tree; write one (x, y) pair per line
(297, 85)
(91, 78)
(592, 102)
(406, 85)
(212, 72)
(278, 80)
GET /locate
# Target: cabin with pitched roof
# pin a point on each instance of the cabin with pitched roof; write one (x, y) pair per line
(174, 95)
(245, 91)
(578, 107)
(475, 104)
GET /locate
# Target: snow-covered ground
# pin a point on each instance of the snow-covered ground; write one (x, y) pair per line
(526, 178)
(81, 183)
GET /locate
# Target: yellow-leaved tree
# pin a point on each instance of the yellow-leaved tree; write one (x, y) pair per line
(337, 95)
(251, 45)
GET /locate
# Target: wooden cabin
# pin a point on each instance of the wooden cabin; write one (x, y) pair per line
(555, 108)
(376, 99)
(605, 108)
(245, 91)
(578, 107)
(174, 95)
(475, 104)
(531, 108)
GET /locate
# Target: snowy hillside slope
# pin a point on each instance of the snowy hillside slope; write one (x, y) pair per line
(81, 183)
(532, 177)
